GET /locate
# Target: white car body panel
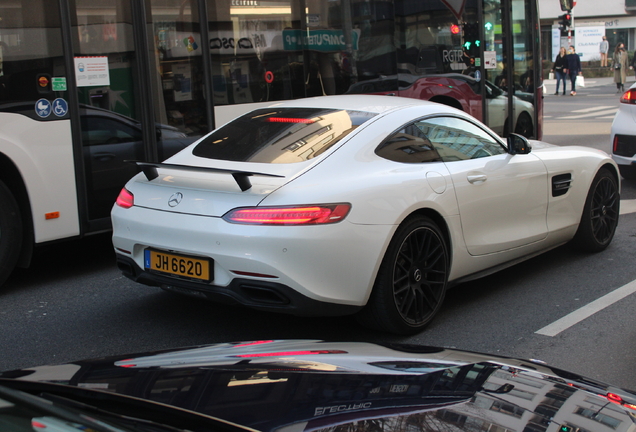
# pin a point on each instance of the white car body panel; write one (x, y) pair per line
(624, 123)
(509, 216)
(41, 151)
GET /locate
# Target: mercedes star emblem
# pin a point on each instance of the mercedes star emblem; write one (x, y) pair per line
(175, 199)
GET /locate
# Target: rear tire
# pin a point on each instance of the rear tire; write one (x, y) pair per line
(10, 232)
(600, 214)
(411, 282)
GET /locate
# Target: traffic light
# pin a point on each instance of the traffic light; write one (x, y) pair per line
(471, 36)
(565, 21)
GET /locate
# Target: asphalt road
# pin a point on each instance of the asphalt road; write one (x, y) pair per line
(73, 303)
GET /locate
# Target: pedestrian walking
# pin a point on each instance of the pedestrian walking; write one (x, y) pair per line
(559, 67)
(620, 64)
(604, 49)
(574, 68)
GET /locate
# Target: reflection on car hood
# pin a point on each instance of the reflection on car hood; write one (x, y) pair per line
(301, 385)
(536, 145)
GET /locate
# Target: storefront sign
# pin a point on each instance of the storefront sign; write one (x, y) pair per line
(318, 40)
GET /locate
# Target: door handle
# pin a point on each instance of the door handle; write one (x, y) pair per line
(478, 178)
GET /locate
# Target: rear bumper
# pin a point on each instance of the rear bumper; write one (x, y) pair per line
(331, 264)
(255, 294)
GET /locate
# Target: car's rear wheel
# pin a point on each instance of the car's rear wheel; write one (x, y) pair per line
(600, 214)
(411, 282)
(10, 232)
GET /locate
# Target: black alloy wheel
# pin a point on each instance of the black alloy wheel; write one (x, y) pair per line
(600, 214)
(411, 283)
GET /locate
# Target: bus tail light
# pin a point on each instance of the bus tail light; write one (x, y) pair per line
(125, 199)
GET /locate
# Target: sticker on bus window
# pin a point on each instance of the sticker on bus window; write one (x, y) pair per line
(92, 71)
(43, 108)
(60, 107)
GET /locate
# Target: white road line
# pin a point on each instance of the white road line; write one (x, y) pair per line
(628, 206)
(588, 310)
(597, 108)
(594, 114)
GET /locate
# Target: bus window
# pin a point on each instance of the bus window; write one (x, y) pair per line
(178, 80)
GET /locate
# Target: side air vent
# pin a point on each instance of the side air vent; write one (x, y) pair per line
(560, 184)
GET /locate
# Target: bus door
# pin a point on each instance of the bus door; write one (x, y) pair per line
(104, 58)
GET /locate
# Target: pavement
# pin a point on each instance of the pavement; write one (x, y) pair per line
(550, 84)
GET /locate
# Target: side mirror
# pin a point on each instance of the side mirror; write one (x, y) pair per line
(518, 144)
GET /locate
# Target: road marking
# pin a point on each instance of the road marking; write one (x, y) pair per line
(588, 310)
(594, 114)
(628, 206)
(593, 109)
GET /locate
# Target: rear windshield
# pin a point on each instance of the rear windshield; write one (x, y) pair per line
(280, 135)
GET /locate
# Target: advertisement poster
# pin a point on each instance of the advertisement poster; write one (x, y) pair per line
(182, 78)
(588, 40)
(92, 71)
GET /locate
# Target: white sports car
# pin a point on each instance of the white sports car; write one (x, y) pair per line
(372, 205)
(623, 134)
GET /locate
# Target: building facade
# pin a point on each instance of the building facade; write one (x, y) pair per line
(616, 20)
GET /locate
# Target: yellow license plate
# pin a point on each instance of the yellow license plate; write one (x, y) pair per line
(177, 265)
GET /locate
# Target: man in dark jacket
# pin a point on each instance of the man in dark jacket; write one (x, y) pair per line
(574, 68)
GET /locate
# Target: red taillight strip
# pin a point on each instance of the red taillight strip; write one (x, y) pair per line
(125, 199)
(301, 215)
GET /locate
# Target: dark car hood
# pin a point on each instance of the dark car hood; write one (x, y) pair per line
(312, 385)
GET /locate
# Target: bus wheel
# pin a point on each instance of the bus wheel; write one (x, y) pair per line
(10, 232)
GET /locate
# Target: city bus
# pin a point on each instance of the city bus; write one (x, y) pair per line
(87, 85)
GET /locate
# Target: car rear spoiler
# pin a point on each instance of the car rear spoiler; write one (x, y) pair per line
(241, 177)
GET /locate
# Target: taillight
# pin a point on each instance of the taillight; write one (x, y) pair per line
(125, 199)
(629, 97)
(297, 215)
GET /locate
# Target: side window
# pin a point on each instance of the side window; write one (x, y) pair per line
(457, 139)
(408, 145)
(99, 131)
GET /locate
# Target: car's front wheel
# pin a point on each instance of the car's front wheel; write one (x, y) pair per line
(411, 282)
(600, 214)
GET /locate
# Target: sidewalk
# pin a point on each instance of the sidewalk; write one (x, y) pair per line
(550, 84)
